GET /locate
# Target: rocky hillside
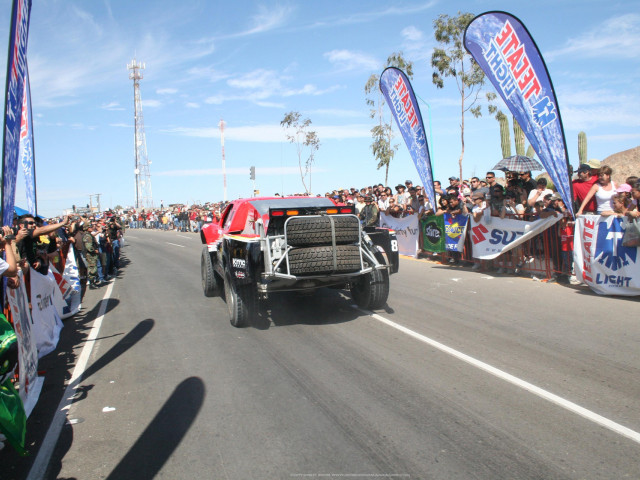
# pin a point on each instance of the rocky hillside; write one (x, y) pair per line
(624, 164)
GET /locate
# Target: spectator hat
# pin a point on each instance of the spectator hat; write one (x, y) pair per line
(556, 196)
(593, 163)
(399, 186)
(624, 188)
(466, 191)
(451, 179)
(408, 181)
(476, 195)
(368, 198)
(412, 189)
(584, 168)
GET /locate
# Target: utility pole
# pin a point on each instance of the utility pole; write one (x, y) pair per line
(142, 162)
(224, 168)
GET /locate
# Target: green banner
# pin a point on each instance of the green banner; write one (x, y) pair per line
(13, 420)
(433, 237)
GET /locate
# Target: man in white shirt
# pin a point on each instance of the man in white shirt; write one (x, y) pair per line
(539, 193)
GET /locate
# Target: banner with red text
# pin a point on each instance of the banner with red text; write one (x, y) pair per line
(504, 49)
(599, 258)
(397, 90)
(493, 236)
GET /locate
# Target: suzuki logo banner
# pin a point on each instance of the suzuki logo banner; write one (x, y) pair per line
(499, 235)
(510, 59)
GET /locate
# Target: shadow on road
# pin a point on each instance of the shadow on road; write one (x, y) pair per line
(129, 340)
(163, 435)
(323, 307)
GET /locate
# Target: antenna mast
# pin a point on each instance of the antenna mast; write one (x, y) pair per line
(142, 162)
(224, 169)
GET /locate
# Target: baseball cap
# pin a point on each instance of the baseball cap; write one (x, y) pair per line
(584, 168)
(625, 187)
(453, 178)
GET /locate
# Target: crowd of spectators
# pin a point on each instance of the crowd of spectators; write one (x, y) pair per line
(516, 196)
(97, 238)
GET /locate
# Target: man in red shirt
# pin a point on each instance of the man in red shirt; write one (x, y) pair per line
(581, 187)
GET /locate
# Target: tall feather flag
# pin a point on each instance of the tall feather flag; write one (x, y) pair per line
(397, 90)
(27, 153)
(510, 59)
(16, 72)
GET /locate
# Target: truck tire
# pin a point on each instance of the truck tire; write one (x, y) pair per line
(210, 281)
(371, 291)
(314, 231)
(319, 260)
(241, 302)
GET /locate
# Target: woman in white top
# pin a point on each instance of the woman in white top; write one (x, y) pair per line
(604, 189)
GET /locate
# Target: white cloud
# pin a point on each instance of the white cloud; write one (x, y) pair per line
(412, 34)
(192, 105)
(268, 18)
(166, 91)
(348, 60)
(615, 37)
(151, 103)
(112, 106)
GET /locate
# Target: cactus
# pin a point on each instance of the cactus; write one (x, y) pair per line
(505, 137)
(531, 153)
(582, 147)
(518, 136)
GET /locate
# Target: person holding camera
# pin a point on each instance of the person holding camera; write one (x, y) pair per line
(8, 266)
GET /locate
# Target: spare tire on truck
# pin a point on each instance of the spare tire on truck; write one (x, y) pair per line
(316, 230)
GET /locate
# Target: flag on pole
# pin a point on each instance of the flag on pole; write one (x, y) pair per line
(27, 157)
(397, 90)
(16, 72)
(510, 59)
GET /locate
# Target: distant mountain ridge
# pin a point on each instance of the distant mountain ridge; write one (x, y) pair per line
(624, 164)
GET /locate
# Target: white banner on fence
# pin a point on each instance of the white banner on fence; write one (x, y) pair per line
(407, 231)
(600, 259)
(29, 382)
(493, 236)
(73, 298)
(44, 312)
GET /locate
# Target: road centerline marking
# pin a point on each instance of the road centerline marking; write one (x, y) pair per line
(175, 245)
(496, 372)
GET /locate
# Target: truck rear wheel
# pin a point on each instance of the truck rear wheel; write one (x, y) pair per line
(211, 284)
(241, 302)
(371, 290)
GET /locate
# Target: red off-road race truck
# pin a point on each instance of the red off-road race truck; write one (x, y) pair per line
(265, 245)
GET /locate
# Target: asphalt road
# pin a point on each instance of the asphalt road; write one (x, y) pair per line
(463, 375)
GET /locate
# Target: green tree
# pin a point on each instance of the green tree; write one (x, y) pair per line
(452, 60)
(382, 133)
(298, 133)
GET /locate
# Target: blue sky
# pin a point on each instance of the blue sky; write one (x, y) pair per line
(251, 62)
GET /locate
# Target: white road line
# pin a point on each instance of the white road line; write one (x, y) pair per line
(175, 245)
(566, 404)
(182, 236)
(40, 464)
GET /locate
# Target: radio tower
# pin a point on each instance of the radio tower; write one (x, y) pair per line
(143, 177)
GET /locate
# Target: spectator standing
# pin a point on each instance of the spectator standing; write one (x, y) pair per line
(90, 247)
(581, 187)
(369, 214)
(383, 201)
(539, 193)
(603, 190)
(401, 196)
(527, 182)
